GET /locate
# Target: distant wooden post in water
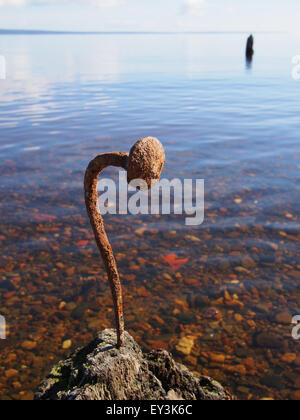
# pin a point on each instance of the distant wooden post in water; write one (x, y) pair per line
(249, 48)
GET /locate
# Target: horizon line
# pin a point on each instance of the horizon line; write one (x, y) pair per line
(56, 32)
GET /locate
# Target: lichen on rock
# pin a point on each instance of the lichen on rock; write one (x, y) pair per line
(99, 371)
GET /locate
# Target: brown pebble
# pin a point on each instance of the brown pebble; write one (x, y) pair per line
(297, 361)
(185, 345)
(284, 318)
(238, 318)
(295, 396)
(217, 358)
(67, 344)
(28, 345)
(70, 271)
(11, 373)
(240, 369)
(17, 385)
(289, 357)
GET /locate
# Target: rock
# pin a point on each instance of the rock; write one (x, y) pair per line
(70, 271)
(297, 361)
(296, 383)
(262, 308)
(192, 238)
(99, 371)
(94, 324)
(249, 363)
(212, 313)
(243, 390)
(67, 344)
(156, 321)
(239, 369)
(10, 358)
(295, 274)
(289, 358)
(26, 396)
(185, 318)
(62, 305)
(284, 318)
(232, 301)
(182, 303)
(28, 345)
(224, 265)
(159, 345)
(70, 306)
(273, 381)
(267, 340)
(11, 373)
(273, 246)
(248, 263)
(249, 47)
(198, 301)
(217, 358)
(192, 361)
(79, 311)
(17, 385)
(238, 318)
(140, 231)
(185, 345)
(240, 269)
(251, 323)
(295, 396)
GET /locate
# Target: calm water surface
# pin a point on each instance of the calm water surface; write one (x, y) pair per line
(237, 284)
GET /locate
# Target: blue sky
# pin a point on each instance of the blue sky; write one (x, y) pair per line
(151, 15)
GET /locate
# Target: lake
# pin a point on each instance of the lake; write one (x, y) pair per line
(232, 284)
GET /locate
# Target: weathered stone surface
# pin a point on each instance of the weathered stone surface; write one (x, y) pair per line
(101, 372)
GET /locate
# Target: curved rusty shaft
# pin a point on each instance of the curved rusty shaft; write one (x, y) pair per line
(93, 171)
(145, 161)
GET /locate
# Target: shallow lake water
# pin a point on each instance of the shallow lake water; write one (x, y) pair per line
(219, 296)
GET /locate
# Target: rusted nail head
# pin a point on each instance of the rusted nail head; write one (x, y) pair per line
(146, 161)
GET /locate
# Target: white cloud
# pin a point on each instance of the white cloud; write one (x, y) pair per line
(92, 3)
(194, 6)
(12, 3)
(101, 3)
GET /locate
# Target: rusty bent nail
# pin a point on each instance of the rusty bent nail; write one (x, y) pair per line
(145, 161)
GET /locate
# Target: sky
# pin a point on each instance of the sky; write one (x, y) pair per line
(151, 15)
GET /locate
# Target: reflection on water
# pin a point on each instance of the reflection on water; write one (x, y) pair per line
(249, 62)
(233, 283)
